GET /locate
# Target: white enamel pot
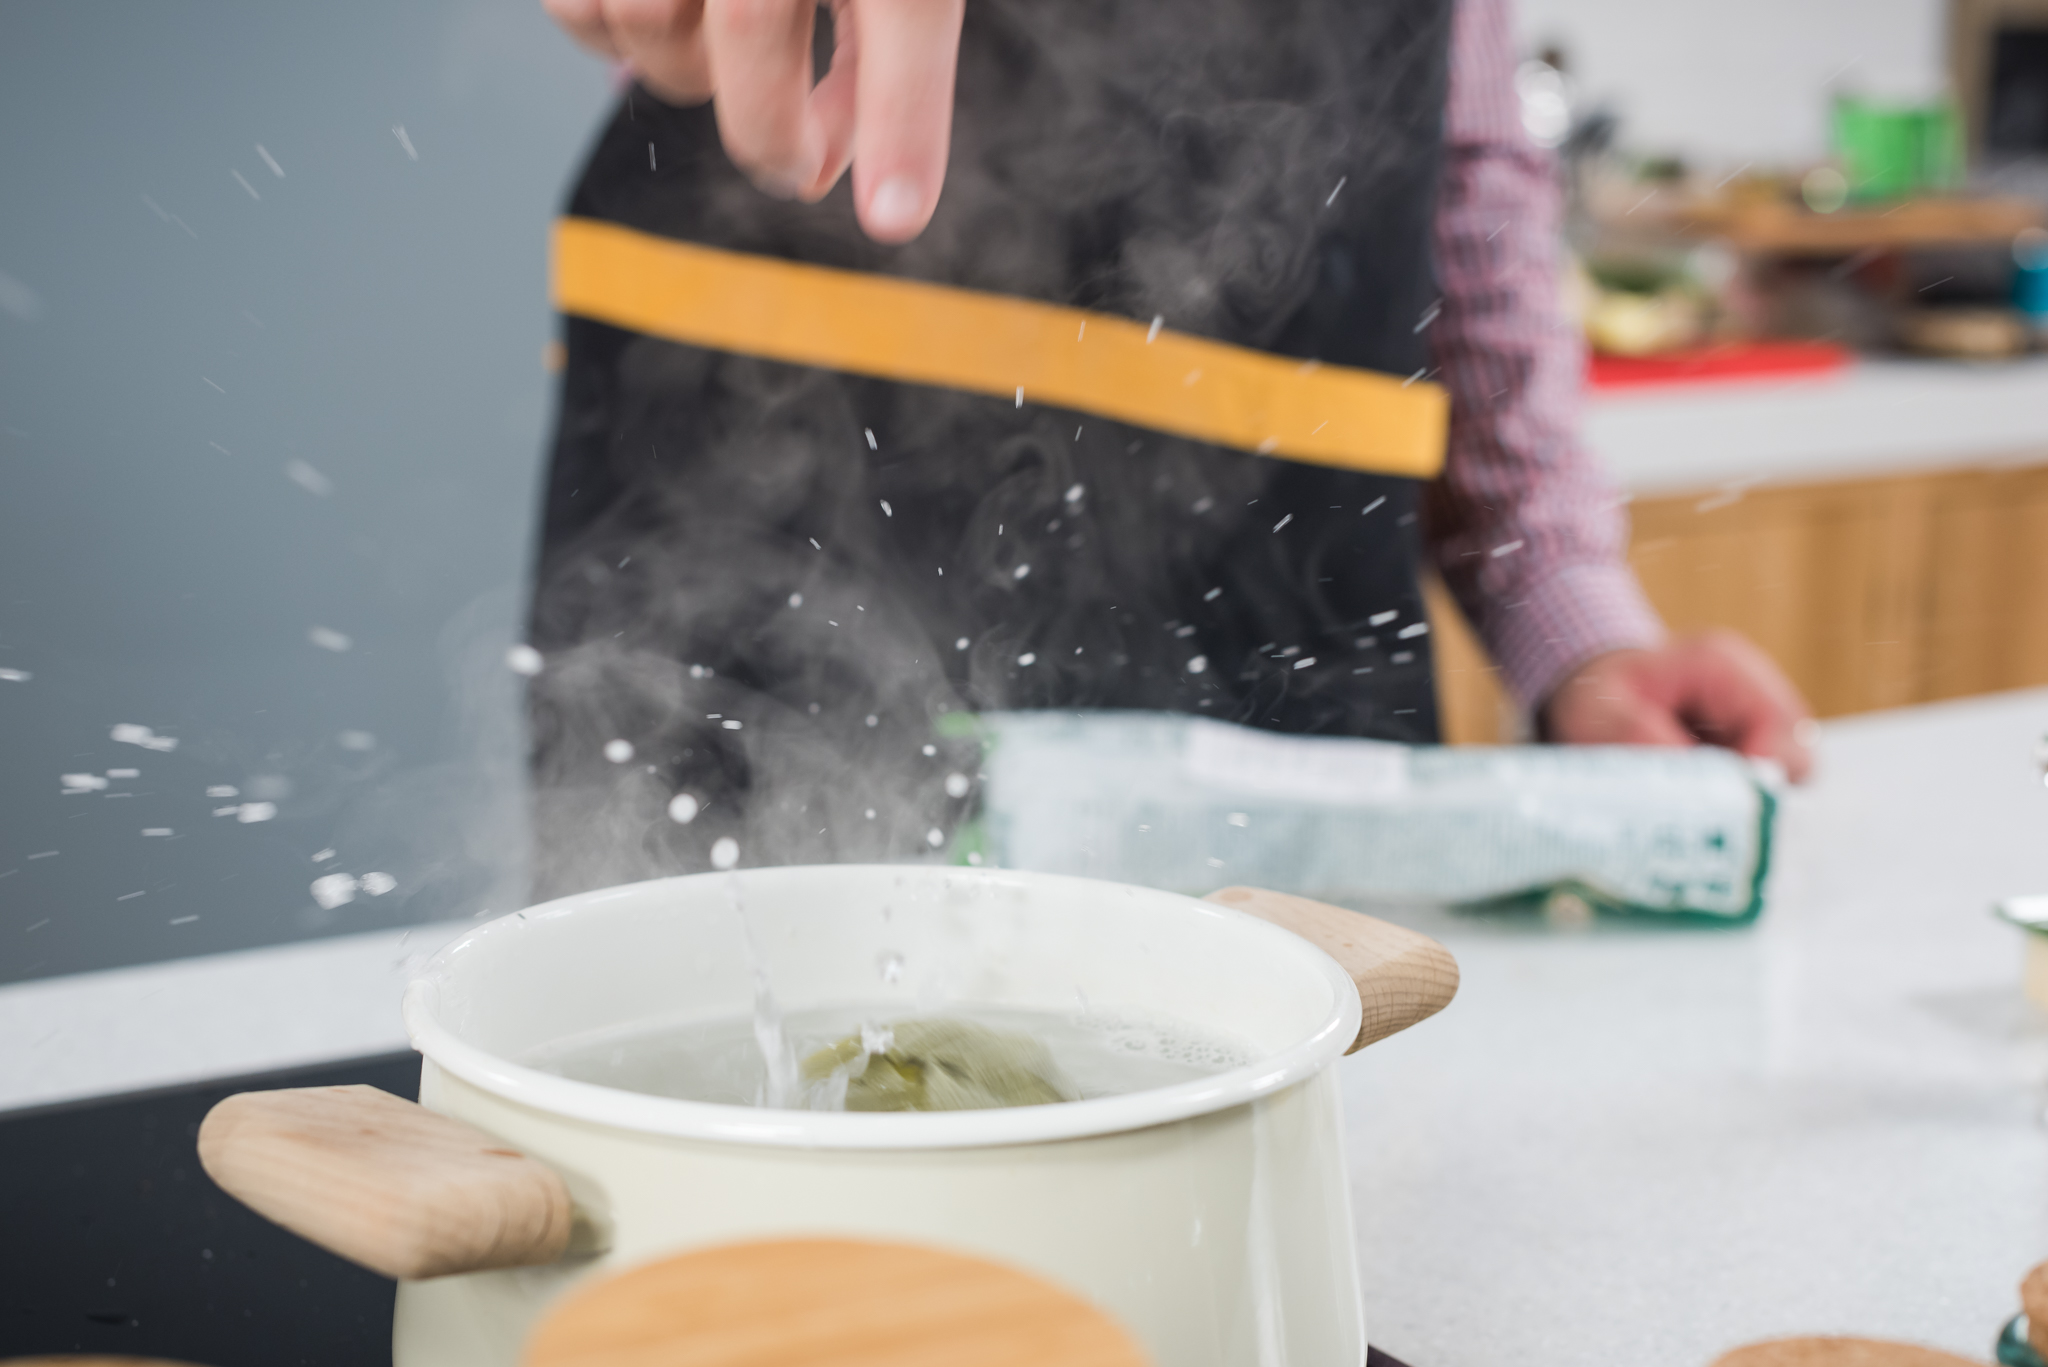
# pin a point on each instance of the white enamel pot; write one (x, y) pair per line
(1211, 1219)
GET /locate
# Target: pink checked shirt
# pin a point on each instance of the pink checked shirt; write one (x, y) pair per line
(1524, 526)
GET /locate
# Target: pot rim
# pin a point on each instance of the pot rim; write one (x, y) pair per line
(675, 1118)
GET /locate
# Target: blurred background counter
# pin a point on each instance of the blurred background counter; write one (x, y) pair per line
(1881, 528)
(1810, 260)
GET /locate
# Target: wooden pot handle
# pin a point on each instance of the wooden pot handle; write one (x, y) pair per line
(384, 1182)
(1403, 976)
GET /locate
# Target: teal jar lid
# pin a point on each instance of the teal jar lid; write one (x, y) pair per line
(2013, 1348)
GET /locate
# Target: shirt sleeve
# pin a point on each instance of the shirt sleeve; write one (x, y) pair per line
(1524, 526)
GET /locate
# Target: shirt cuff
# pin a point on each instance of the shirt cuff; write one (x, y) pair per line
(1566, 619)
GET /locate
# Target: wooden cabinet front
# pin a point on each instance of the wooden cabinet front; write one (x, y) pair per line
(1870, 593)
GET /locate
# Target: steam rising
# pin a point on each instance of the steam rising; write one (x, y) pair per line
(776, 585)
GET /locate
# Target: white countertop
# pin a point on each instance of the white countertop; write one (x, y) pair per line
(1639, 1146)
(1878, 417)
(1632, 1146)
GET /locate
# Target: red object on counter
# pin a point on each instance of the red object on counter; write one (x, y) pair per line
(1778, 360)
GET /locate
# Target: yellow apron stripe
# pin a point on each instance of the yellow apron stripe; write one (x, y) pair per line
(993, 344)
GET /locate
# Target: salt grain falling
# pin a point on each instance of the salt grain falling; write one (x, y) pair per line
(398, 131)
(1074, 493)
(930, 750)
(1027, 659)
(15, 675)
(1305, 663)
(796, 600)
(887, 511)
(1158, 321)
(156, 830)
(1238, 819)
(935, 837)
(334, 890)
(618, 751)
(1334, 193)
(1020, 396)
(1283, 522)
(124, 773)
(81, 783)
(960, 644)
(250, 812)
(730, 724)
(872, 719)
(871, 438)
(309, 479)
(890, 965)
(327, 638)
(128, 733)
(269, 161)
(1372, 505)
(524, 659)
(682, 809)
(223, 790)
(1020, 572)
(957, 785)
(377, 884)
(1198, 664)
(356, 740)
(1212, 595)
(244, 184)
(1380, 619)
(725, 852)
(322, 856)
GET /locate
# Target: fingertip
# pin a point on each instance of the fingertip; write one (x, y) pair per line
(897, 210)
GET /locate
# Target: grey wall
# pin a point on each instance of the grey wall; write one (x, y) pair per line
(179, 361)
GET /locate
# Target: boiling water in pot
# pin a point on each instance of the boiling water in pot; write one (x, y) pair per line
(1080, 1056)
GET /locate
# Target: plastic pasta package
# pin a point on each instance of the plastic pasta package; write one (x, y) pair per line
(1191, 805)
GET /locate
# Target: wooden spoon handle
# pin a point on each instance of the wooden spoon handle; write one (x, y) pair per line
(385, 1183)
(1403, 976)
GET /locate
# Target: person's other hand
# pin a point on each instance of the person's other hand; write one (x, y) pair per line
(885, 107)
(1715, 688)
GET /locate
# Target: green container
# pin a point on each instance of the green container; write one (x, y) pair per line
(1891, 151)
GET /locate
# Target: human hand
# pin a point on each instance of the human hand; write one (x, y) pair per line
(1715, 688)
(885, 107)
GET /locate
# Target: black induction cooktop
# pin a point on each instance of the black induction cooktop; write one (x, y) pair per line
(112, 1240)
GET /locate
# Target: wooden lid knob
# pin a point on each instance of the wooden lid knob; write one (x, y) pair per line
(1839, 1352)
(827, 1303)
